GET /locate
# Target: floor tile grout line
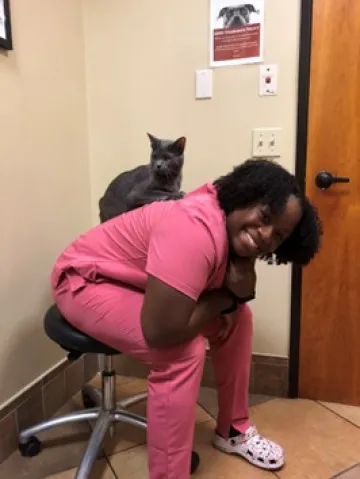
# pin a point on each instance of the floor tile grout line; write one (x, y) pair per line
(251, 407)
(206, 410)
(111, 467)
(135, 446)
(337, 414)
(265, 402)
(339, 474)
(105, 456)
(115, 453)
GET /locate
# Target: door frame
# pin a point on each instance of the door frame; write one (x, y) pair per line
(300, 173)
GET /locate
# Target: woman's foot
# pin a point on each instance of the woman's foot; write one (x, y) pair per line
(254, 448)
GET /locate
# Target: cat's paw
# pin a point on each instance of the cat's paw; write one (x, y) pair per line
(178, 196)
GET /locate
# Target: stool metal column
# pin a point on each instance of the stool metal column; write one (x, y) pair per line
(108, 416)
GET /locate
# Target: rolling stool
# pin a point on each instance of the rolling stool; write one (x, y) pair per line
(100, 405)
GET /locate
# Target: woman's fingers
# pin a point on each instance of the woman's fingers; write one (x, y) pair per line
(227, 326)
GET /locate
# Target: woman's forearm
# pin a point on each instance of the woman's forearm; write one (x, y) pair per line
(206, 311)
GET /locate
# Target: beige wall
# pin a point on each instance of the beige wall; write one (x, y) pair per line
(141, 58)
(44, 177)
(140, 64)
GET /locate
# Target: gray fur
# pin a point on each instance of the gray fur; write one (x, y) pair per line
(160, 180)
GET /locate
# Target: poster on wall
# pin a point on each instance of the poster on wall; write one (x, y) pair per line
(5, 25)
(236, 32)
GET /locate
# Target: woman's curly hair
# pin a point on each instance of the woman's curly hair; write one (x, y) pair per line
(264, 182)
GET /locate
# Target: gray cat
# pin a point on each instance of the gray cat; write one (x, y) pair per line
(160, 180)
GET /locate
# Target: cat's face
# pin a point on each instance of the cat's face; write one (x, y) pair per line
(167, 157)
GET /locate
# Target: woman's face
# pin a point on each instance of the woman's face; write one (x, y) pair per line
(255, 231)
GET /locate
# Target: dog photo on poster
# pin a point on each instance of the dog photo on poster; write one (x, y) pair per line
(236, 32)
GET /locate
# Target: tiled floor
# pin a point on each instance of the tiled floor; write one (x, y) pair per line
(321, 440)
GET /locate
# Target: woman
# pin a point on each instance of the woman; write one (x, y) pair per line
(154, 282)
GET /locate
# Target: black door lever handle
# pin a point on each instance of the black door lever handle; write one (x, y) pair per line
(324, 180)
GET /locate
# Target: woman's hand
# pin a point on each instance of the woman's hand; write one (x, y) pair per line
(227, 325)
(240, 277)
(215, 303)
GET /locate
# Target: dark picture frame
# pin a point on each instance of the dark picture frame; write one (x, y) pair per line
(5, 25)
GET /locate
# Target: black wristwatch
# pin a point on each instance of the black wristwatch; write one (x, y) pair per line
(246, 300)
(235, 303)
(233, 307)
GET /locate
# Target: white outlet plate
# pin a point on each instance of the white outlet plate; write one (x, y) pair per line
(268, 85)
(266, 142)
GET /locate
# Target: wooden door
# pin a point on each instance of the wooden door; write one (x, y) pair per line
(329, 366)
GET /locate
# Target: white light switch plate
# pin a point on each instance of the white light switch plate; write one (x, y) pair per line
(204, 84)
(268, 80)
(266, 142)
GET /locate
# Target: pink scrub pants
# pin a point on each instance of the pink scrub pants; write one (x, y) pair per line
(110, 313)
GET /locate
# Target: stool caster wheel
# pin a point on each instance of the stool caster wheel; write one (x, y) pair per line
(87, 401)
(30, 448)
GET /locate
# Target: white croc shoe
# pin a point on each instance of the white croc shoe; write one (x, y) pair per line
(254, 448)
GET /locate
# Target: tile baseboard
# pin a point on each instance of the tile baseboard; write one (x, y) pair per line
(43, 399)
(269, 374)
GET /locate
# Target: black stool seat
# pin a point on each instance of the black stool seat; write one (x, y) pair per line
(70, 338)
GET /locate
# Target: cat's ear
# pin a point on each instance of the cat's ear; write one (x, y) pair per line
(155, 142)
(178, 146)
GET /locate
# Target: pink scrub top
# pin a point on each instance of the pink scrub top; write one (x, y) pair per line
(182, 243)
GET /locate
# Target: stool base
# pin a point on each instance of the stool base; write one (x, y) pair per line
(107, 412)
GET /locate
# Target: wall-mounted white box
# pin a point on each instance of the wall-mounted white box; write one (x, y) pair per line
(203, 84)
